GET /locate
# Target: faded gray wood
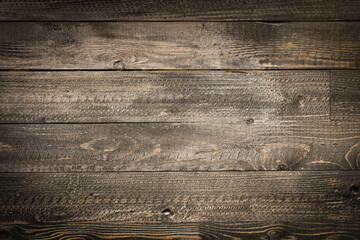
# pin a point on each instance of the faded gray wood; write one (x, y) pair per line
(232, 97)
(185, 45)
(247, 205)
(345, 96)
(167, 10)
(261, 145)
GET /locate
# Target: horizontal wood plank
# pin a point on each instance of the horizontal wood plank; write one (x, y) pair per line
(345, 96)
(206, 230)
(206, 96)
(226, 205)
(258, 145)
(184, 45)
(167, 10)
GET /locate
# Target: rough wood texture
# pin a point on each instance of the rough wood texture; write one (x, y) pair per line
(165, 10)
(345, 96)
(248, 205)
(269, 145)
(164, 230)
(109, 131)
(186, 45)
(38, 97)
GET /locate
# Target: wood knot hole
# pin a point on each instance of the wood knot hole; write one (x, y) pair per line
(299, 98)
(274, 234)
(249, 121)
(119, 65)
(166, 212)
(354, 190)
(283, 167)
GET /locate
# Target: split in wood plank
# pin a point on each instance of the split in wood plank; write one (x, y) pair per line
(216, 205)
(185, 45)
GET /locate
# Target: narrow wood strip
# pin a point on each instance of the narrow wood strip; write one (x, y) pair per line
(58, 97)
(214, 10)
(345, 96)
(165, 230)
(186, 45)
(270, 145)
(226, 205)
(227, 231)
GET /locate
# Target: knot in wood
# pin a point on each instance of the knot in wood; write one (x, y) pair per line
(354, 190)
(119, 65)
(166, 212)
(274, 234)
(249, 121)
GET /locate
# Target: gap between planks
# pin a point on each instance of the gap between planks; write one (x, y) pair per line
(176, 21)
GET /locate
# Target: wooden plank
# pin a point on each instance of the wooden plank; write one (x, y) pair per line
(164, 230)
(167, 10)
(185, 45)
(38, 97)
(216, 205)
(270, 145)
(345, 96)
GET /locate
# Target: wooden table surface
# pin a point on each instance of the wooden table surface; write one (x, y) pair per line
(180, 119)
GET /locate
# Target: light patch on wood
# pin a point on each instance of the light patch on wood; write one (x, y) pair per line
(322, 162)
(156, 151)
(90, 145)
(288, 154)
(351, 151)
(202, 150)
(55, 159)
(6, 147)
(104, 146)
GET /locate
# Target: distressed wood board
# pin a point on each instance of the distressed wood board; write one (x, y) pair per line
(217, 205)
(179, 45)
(180, 119)
(270, 145)
(173, 96)
(184, 10)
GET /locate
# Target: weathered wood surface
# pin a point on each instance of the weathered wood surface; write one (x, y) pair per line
(167, 10)
(270, 145)
(164, 230)
(345, 96)
(206, 96)
(227, 205)
(185, 45)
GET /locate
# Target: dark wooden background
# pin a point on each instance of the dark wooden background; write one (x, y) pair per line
(180, 119)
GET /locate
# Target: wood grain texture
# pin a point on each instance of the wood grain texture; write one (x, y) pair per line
(167, 10)
(205, 230)
(270, 145)
(345, 96)
(185, 45)
(38, 97)
(227, 205)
